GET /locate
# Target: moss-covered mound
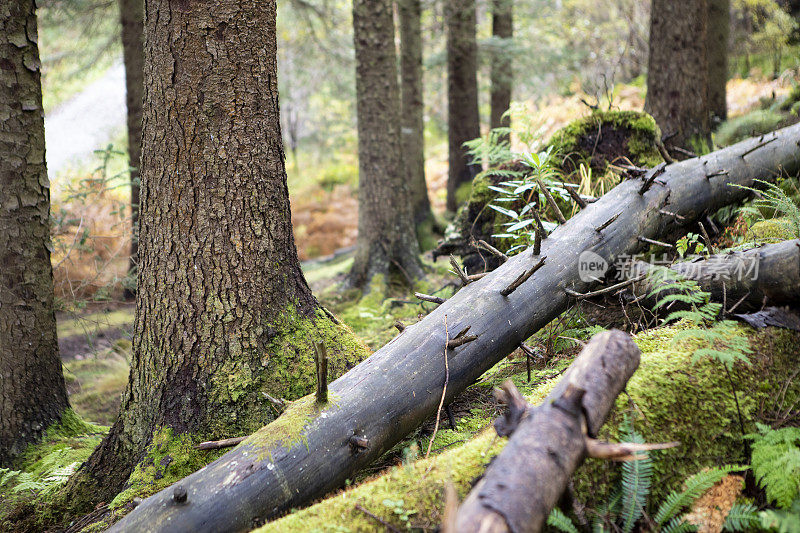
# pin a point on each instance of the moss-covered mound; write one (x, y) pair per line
(608, 137)
(670, 394)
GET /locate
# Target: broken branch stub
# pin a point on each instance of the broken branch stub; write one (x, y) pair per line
(548, 442)
(390, 394)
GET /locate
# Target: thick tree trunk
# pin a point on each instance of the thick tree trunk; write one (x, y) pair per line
(463, 120)
(413, 124)
(719, 27)
(749, 280)
(131, 14)
(223, 312)
(32, 391)
(548, 442)
(400, 386)
(677, 76)
(502, 66)
(387, 242)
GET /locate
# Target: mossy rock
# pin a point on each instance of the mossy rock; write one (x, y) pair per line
(475, 220)
(671, 394)
(770, 231)
(608, 137)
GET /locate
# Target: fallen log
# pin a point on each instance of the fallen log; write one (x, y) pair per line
(391, 393)
(523, 484)
(744, 281)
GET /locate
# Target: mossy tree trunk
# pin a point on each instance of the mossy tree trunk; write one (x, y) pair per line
(32, 391)
(223, 312)
(502, 66)
(463, 120)
(719, 27)
(131, 14)
(412, 103)
(387, 241)
(677, 78)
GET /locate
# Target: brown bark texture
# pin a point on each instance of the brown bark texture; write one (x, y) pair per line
(222, 304)
(387, 241)
(719, 27)
(412, 123)
(677, 76)
(132, 21)
(32, 391)
(502, 75)
(463, 120)
(387, 396)
(547, 444)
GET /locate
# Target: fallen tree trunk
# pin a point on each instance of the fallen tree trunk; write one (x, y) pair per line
(523, 484)
(314, 449)
(748, 280)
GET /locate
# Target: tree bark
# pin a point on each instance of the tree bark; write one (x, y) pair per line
(387, 242)
(463, 120)
(32, 391)
(131, 14)
(502, 66)
(719, 27)
(223, 311)
(677, 78)
(400, 386)
(523, 484)
(767, 275)
(413, 109)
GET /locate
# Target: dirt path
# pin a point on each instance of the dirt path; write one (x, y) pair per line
(86, 122)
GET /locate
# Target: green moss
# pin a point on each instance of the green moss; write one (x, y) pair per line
(168, 458)
(770, 230)
(288, 429)
(671, 395)
(287, 369)
(754, 123)
(420, 485)
(65, 445)
(637, 135)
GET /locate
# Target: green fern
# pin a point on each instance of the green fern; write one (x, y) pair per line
(773, 198)
(720, 341)
(782, 521)
(741, 517)
(636, 476)
(695, 486)
(678, 525)
(561, 522)
(776, 463)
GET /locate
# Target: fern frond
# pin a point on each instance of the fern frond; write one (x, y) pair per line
(741, 517)
(696, 485)
(678, 525)
(560, 521)
(776, 464)
(636, 476)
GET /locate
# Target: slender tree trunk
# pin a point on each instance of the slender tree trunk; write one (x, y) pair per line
(386, 238)
(132, 20)
(719, 27)
(413, 126)
(32, 391)
(502, 66)
(463, 121)
(223, 311)
(677, 79)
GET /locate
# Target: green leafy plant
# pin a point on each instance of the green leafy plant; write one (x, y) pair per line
(398, 508)
(526, 191)
(776, 463)
(626, 505)
(772, 198)
(721, 341)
